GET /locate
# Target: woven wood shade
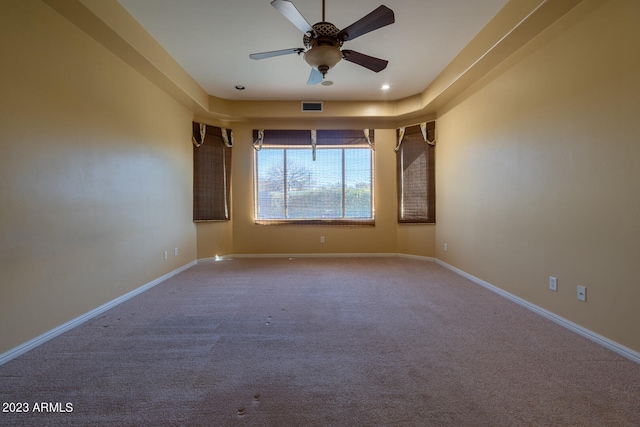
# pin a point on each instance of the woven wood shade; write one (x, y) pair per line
(211, 176)
(415, 166)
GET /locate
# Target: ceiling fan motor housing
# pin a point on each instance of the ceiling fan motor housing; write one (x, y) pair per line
(323, 47)
(325, 32)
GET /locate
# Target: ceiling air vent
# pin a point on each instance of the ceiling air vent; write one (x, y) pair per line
(315, 107)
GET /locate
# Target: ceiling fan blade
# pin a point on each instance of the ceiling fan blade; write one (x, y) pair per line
(379, 18)
(289, 11)
(263, 55)
(315, 77)
(370, 62)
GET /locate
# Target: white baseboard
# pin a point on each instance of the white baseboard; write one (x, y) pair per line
(35, 342)
(317, 255)
(420, 257)
(599, 339)
(313, 255)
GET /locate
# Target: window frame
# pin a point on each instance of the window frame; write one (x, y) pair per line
(326, 141)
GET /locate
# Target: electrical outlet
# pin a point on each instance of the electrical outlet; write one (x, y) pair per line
(582, 293)
(553, 283)
(175, 252)
(321, 239)
(166, 255)
(446, 247)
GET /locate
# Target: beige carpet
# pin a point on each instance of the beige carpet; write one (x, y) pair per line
(321, 342)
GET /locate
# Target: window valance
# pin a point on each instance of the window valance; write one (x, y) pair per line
(309, 138)
(426, 130)
(209, 134)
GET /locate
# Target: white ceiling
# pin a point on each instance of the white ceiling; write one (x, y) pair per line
(212, 40)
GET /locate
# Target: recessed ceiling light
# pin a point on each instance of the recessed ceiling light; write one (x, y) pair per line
(385, 87)
(239, 87)
(326, 83)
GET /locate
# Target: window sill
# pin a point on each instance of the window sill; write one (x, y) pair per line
(320, 222)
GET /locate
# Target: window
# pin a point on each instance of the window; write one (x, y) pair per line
(297, 183)
(415, 165)
(211, 173)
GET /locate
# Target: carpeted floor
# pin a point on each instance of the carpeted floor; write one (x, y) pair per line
(321, 342)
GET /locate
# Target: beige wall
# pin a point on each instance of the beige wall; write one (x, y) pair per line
(249, 238)
(538, 173)
(416, 239)
(96, 173)
(214, 239)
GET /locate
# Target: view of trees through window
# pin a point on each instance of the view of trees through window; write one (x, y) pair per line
(291, 185)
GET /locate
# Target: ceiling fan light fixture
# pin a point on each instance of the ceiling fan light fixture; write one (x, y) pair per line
(323, 57)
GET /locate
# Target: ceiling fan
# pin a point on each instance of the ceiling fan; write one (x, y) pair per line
(323, 40)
